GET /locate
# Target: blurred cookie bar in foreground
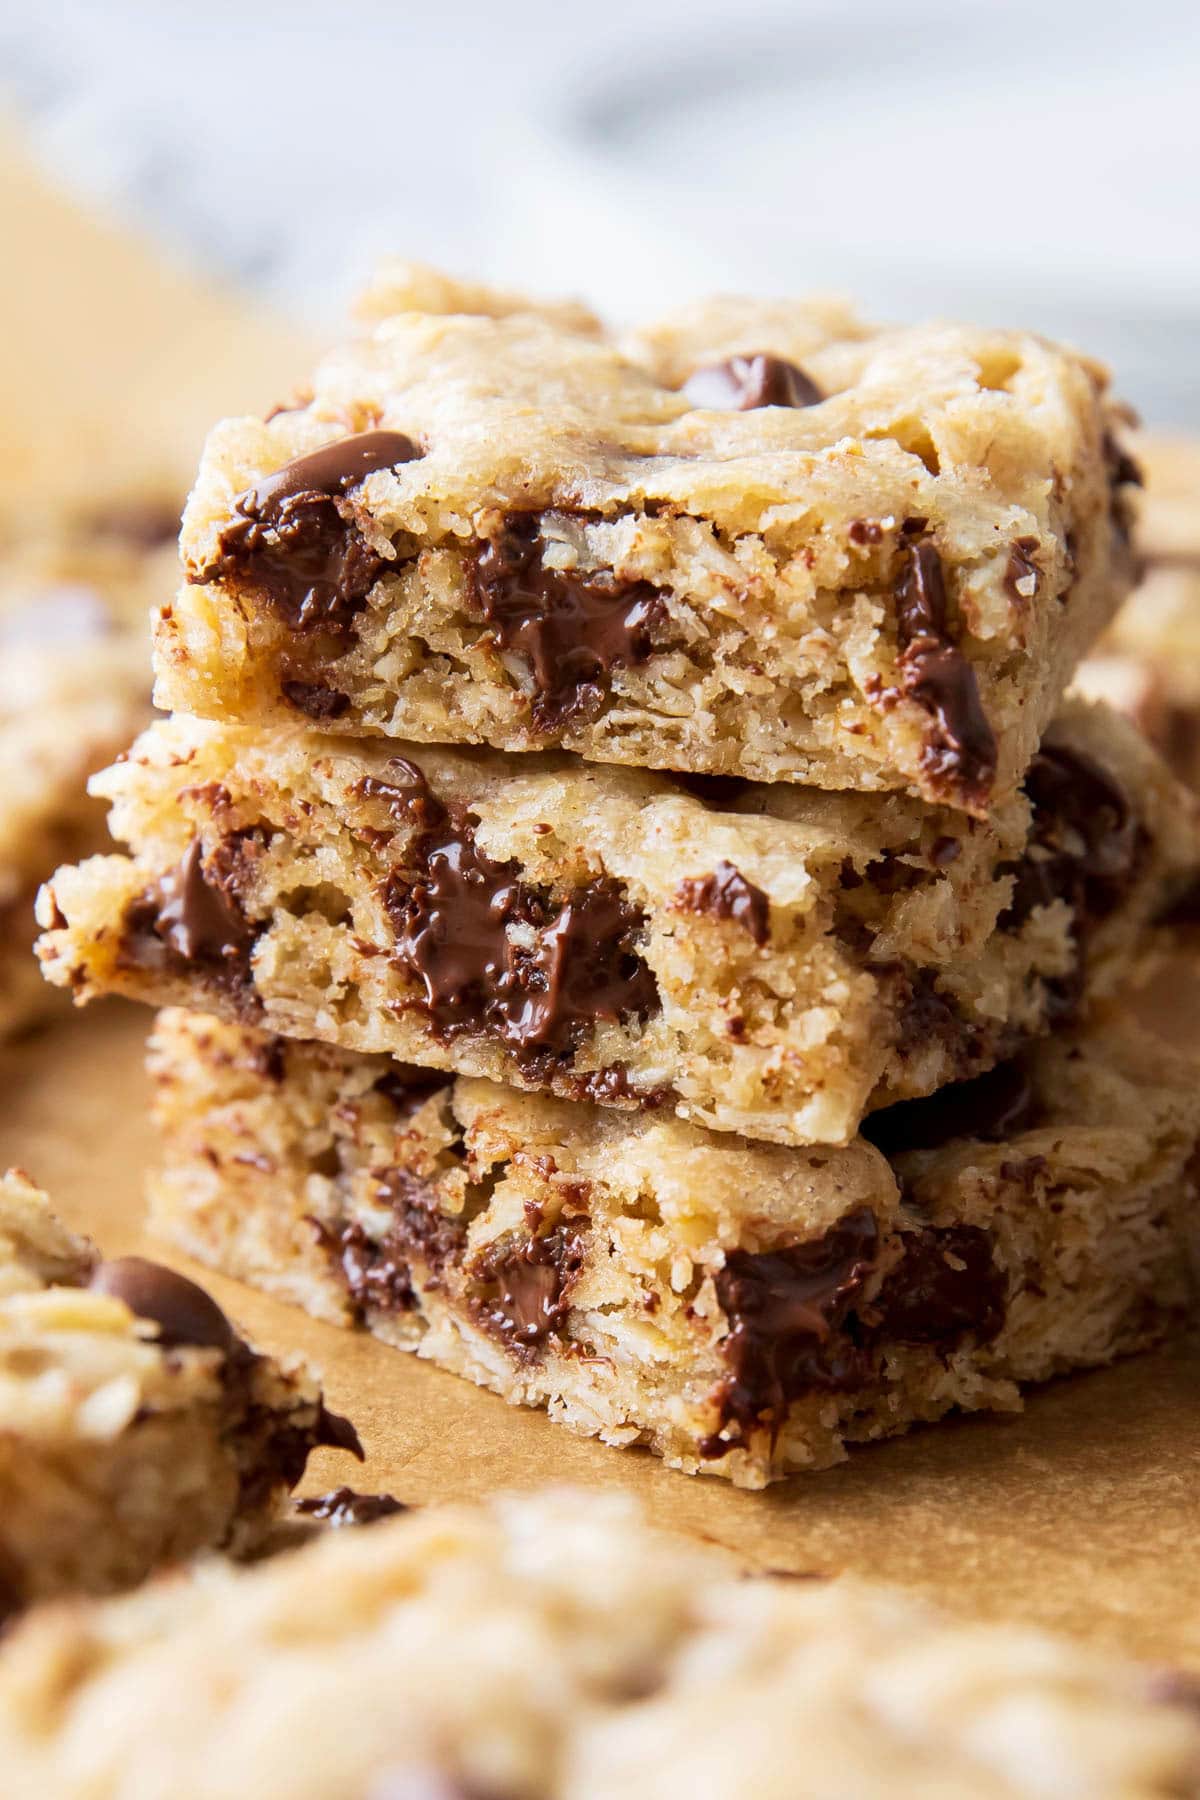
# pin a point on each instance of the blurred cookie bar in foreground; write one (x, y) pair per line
(1147, 664)
(136, 1426)
(743, 1309)
(552, 1647)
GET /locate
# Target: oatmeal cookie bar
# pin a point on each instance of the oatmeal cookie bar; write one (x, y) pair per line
(74, 685)
(766, 960)
(743, 1309)
(551, 1646)
(1147, 664)
(763, 541)
(136, 1427)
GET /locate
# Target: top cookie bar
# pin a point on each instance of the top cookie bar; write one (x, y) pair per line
(755, 540)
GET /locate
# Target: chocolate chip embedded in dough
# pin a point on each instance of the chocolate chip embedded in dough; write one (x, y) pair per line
(183, 1311)
(571, 629)
(288, 541)
(726, 894)
(960, 750)
(743, 383)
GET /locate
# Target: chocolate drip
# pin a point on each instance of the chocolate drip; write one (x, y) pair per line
(497, 955)
(571, 630)
(191, 917)
(993, 1106)
(799, 1322)
(290, 542)
(743, 383)
(961, 749)
(343, 1506)
(726, 894)
(521, 1291)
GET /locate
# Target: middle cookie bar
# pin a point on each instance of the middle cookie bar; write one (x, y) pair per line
(767, 960)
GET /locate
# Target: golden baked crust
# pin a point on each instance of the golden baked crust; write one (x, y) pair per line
(857, 558)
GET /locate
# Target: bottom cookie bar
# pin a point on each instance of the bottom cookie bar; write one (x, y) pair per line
(136, 1427)
(742, 1308)
(552, 1647)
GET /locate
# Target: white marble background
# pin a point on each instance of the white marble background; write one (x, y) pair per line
(1018, 160)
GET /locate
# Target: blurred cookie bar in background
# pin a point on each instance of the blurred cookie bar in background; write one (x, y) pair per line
(1147, 664)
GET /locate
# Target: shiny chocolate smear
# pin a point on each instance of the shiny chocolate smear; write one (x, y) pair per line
(960, 751)
(288, 541)
(570, 630)
(453, 912)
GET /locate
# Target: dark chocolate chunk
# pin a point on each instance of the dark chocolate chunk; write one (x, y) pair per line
(1085, 843)
(993, 1106)
(789, 1325)
(333, 1432)
(960, 751)
(754, 379)
(380, 1272)
(865, 531)
(1021, 568)
(799, 1321)
(315, 700)
(452, 912)
(183, 1312)
(289, 541)
(520, 1291)
(192, 916)
(343, 1506)
(572, 630)
(946, 1285)
(726, 894)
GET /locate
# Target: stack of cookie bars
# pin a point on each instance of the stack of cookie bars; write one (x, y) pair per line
(653, 931)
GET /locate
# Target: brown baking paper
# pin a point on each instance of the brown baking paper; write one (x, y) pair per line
(1083, 1512)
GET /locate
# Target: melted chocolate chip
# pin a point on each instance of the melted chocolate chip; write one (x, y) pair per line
(192, 917)
(789, 1325)
(961, 749)
(288, 539)
(743, 383)
(726, 894)
(183, 1312)
(378, 1270)
(993, 1106)
(945, 1285)
(1022, 576)
(571, 630)
(315, 700)
(343, 1506)
(521, 1291)
(494, 954)
(799, 1322)
(1085, 843)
